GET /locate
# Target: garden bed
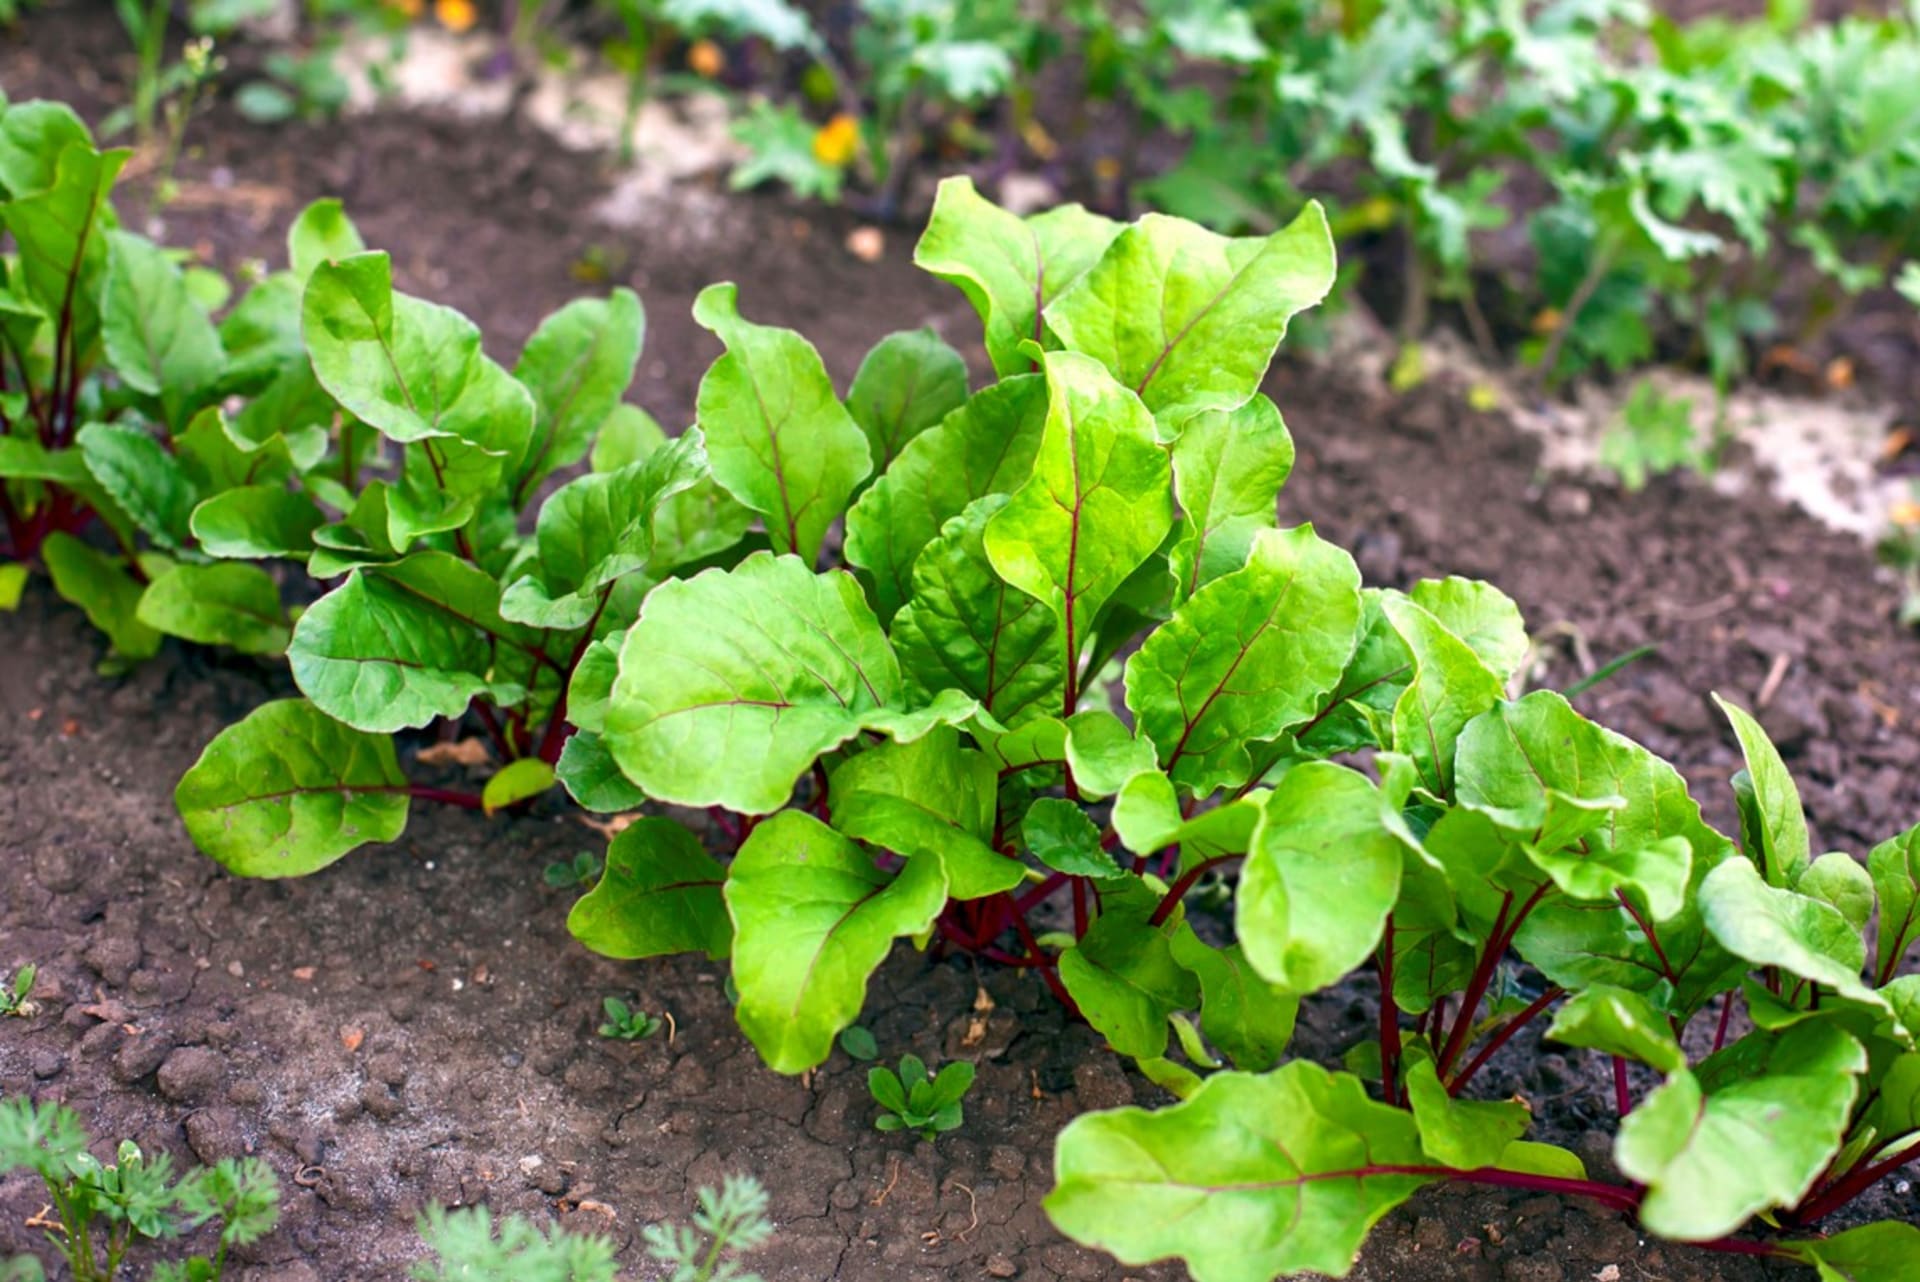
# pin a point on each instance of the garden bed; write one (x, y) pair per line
(415, 1024)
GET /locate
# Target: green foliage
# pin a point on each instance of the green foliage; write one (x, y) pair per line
(1655, 435)
(579, 872)
(625, 1024)
(915, 1099)
(16, 994)
(469, 1246)
(727, 1222)
(103, 1209)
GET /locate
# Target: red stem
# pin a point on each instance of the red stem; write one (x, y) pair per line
(1506, 1034)
(1026, 902)
(1726, 1017)
(1179, 888)
(1622, 1099)
(1477, 986)
(1853, 1184)
(492, 725)
(1079, 907)
(446, 796)
(557, 728)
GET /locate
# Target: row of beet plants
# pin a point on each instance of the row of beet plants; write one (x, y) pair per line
(877, 648)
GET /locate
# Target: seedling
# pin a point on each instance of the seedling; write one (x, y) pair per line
(1655, 436)
(103, 1210)
(859, 1044)
(15, 994)
(623, 1023)
(915, 1100)
(470, 1246)
(729, 1222)
(581, 871)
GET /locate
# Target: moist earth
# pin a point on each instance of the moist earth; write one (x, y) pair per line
(414, 1025)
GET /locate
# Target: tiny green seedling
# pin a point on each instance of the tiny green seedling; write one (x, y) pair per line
(626, 1024)
(468, 1247)
(581, 871)
(859, 1044)
(16, 992)
(729, 1221)
(915, 1100)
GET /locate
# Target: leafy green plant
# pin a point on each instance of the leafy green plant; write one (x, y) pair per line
(728, 1222)
(102, 1210)
(469, 1246)
(914, 1099)
(16, 994)
(1655, 435)
(623, 1023)
(859, 1043)
(579, 872)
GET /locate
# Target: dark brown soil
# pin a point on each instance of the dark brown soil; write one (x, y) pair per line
(415, 1025)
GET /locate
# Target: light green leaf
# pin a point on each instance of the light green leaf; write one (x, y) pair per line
(1450, 687)
(1123, 976)
(967, 629)
(812, 919)
(515, 782)
(397, 645)
(287, 790)
(985, 447)
(1189, 320)
(929, 796)
(322, 233)
(100, 585)
(157, 337)
(660, 894)
(627, 435)
(221, 604)
(1837, 879)
(908, 383)
(1147, 816)
(1774, 831)
(592, 777)
(1250, 1179)
(1463, 1134)
(779, 439)
(577, 365)
(733, 682)
(1894, 865)
(1614, 1021)
(1885, 1252)
(60, 232)
(1248, 657)
(1658, 873)
(1009, 268)
(33, 135)
(1767, 926)
(256, 521)
(1241, 1013)
(1542, 1159)
(1060, 835)
(1481, 615)
(1323, 874)
(1228, 467)
(1097, 505)
(1751, 1131)
(142, 477)
(13, 585)
(1103, 752)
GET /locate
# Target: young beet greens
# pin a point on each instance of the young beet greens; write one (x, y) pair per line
(910, 732)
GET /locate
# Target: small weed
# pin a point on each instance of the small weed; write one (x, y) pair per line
(915, 1100)
(15, 993)
(581, 871)
(729, 1221)
(625, 1023)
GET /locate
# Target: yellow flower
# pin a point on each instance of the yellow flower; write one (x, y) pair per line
(455, 15)
(706, 59)
(836, 142)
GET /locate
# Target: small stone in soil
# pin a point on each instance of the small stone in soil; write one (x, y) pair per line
(190, 1073)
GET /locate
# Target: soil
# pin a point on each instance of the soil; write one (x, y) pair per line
(414, 1025)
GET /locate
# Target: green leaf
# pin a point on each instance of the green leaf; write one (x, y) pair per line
(907, 384)
(733, 682)
(1060, 835)
(985, 447)
(1189, 320)
(1247, 658)
(1122, 974)
(157, 337)
(100, 585)
(1617, 1022)
(412, 370)
(1241, 1013)
(287, 790)
(1097, 505)
(1894, 865)
(256, 521)
(322, 233)
(221, 604)
(1009, 268)
(1658, 873)
(926, 797)
(1323, 874)
(1767, 926)
(13, 585)
(1542, 1159)
(1250, 1179)
(1751, 1131)
(1147, 816)
(1103, 752)
(812, 920)
(1463, 1134)
(142, 477)
(966, 628)
(592, 777)
(1228, 467)
(577, 365)
(660, 894)
(515, 782)
(627, 435)
(1450, 687)
(1776, 837)
(1885, 1252)
(779, 438)
(59, 231)
(1837, 879)
(397, 645)
(1482, 616)
(33, 136)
